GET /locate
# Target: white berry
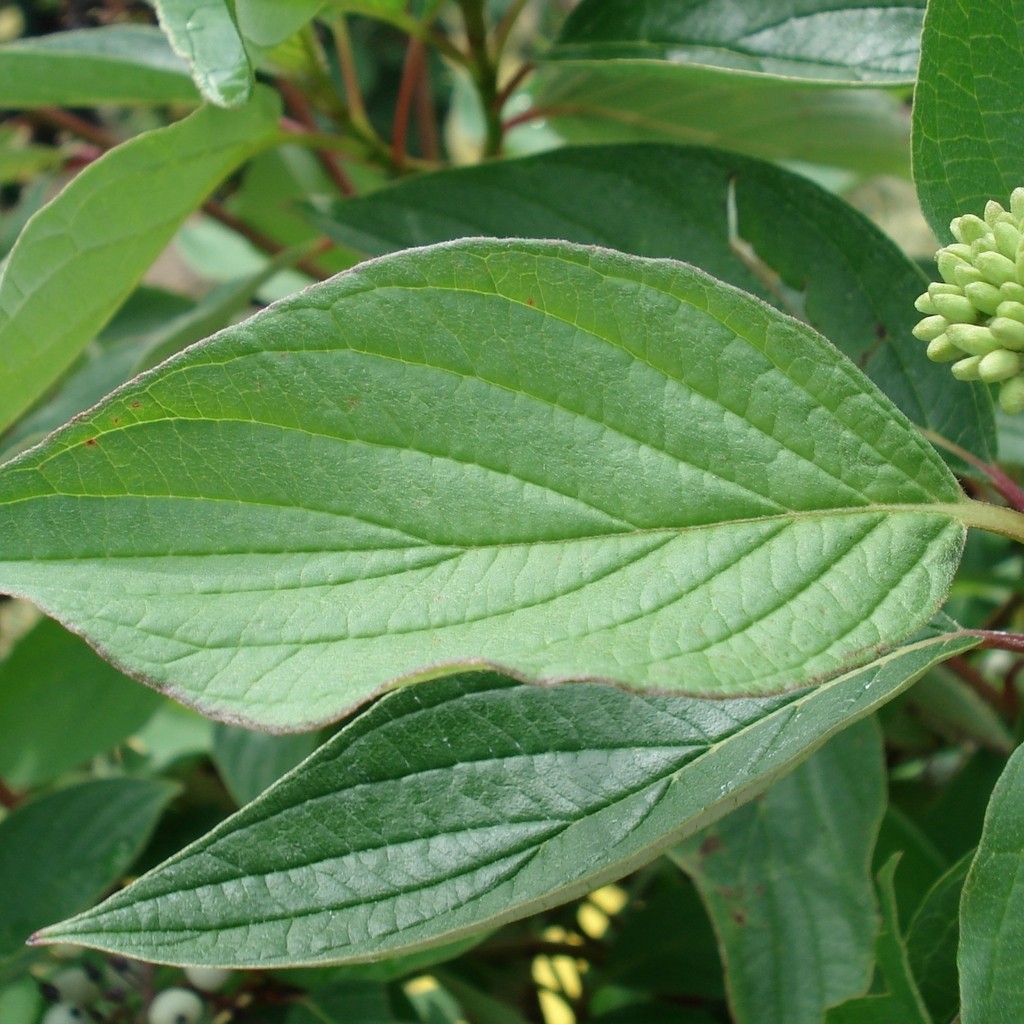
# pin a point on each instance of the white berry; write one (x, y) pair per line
(207, 979)
(75, 986)
(65, 1013)
(175, 1006)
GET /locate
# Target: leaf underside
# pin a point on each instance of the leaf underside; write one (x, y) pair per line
(562, 462)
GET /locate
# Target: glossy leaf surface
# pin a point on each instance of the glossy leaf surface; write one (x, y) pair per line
(992, 908)
(794, 244)
(404, 472)
(795, 864)
(93, 242)
(968, 146)
(62, 851)
(836, 41)
(205, 34)
(115, 64)
(61, 704)
(547, 794)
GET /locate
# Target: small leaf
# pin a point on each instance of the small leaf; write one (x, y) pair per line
(249, 762)
(967, 142)
(787, 881)
(114, 64)
(547, 794)
(932, 940)
(81, 255)
(861, 130)
(992, 908)
(205, 34)
(60, 852)
(901, 1003)
(61, 704)
(833, 41)
(403, 472)
(269, 22)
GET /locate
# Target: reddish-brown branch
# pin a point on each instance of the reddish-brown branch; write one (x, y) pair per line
(300, 109)
(55, 117)
(512, 84)
(412, 71)
(970, 675)
(426, 119)
(8, 798)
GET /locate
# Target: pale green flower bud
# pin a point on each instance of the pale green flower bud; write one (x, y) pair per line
(1009, 333)
(1013, 310)
(995, 214)
(942, 350)
(957, 309)
(968, 228)
(996, 267)
(1011, 395)
(965, 274)
(966, 369)
(974, 340)
(983, 296)
(1012, 291)
(923, 304)
(930, 327)
(1007, 240)
(999, 365)
(1017, 203)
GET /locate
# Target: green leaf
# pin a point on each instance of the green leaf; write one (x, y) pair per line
(249, 762)
(992, 908)
(967, 143)
(787, 882)
(901, 1003)
(115, 64)
(861, 130)
(81, 255)
(269, 22)
(794, 244)
(204, 33)
(61, 704)
(363, 1001)
(61, 851)
(544, 795)
(932, 940)
(873, 42)
(719, 504)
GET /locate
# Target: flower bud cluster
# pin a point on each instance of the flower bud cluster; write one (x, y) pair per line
(974, 317)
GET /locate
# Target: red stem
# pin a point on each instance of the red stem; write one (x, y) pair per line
(412, 71)
(301, 111)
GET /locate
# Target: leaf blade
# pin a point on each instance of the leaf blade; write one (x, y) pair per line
(151, 183)
(635, 549)
(832, 42)
(113, 64)
(550, 794)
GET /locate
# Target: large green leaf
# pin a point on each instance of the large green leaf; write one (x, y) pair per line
(806, 251)
(967, 143)
(81, 255)
(205, 34)
(558, 461)
(116, 64)
(60, 852)
(787, 881)
(623, 101)
(992, 908)
(835, 41)
(60, 704)
(269, 22)
(457, 806)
